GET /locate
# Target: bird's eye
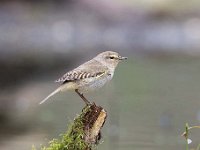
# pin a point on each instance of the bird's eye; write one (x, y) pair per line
(111, 57)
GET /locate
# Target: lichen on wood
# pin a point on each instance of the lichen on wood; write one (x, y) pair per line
(83, 133)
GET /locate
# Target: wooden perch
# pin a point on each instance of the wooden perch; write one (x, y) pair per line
(84, 133)
(93, 122)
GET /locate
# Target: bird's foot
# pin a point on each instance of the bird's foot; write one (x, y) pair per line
(90, 103)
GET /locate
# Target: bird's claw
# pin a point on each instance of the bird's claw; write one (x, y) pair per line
(90, 103)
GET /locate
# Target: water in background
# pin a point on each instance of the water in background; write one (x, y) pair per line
(153, 94)
(148, 103)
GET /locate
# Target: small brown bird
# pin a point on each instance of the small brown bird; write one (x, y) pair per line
(89, 76)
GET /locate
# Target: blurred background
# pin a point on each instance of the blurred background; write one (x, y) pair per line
(152, 95)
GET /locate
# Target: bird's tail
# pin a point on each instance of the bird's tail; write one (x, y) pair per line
(50, 95)
(62, 88)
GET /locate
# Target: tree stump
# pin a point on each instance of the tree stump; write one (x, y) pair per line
(93, 122)
(84, 133)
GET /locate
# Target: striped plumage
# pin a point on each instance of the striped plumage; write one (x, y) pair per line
(94, 69)
(73, 75)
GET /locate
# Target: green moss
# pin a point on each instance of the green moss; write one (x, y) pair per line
(73, 138)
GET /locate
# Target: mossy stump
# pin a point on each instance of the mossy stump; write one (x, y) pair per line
(84, 133)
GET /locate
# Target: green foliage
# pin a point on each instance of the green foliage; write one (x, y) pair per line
(73, 138)
(186, 135)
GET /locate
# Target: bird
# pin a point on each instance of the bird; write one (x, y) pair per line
(89, 76)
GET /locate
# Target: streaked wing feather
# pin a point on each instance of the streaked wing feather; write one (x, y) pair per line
(71, 76)
(86, 70)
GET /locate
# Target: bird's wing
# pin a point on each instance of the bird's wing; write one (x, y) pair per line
(87, 70)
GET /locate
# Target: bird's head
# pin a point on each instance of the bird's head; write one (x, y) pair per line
(110, 58)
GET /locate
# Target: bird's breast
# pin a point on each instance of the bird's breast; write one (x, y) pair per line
(91, 84)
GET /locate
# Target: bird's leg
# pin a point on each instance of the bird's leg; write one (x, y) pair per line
(82, 97)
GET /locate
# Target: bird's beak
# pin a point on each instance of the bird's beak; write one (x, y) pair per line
(122, 58)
